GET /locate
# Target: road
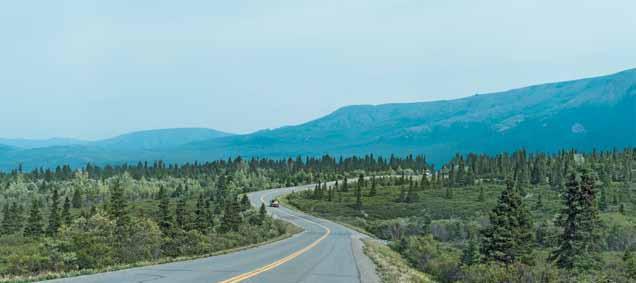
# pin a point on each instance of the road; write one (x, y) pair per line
(323, 252)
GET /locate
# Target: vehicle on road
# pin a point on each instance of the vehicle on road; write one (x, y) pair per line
(274, 203)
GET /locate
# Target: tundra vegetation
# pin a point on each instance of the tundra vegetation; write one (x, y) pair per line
(70, 221)
(520, 217)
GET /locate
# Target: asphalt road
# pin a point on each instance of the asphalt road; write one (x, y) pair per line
(323, 252)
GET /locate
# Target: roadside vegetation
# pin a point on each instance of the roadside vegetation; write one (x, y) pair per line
(518, 217)
(65, 222)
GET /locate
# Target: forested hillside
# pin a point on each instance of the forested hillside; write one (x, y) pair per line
(586, 114)
(62, 221)
(565, 217)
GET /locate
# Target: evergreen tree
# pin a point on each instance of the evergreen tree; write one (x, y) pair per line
(508, 238)
(118, 207)
(402, 197)
(231, 218)
(578, 246)
(181, 213)
(373, 192)
(471, 253)
(481, 196)
(621, 209)
(165, 217)
(200, 216)
(602, 201)
(262, 213)
(77, 198)
(66, 212)
(54, 215)
(411, 195)
(245, 203)
(6, 228)
(449, 192)
(34, 222)
(539, 203)
(359, 193)
(345, 185)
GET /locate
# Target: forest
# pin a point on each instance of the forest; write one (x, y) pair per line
(519, 217)
(68, 221)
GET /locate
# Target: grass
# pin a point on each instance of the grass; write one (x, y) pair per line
(391, 267)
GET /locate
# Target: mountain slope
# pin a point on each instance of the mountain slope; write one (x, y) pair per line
(158, 139)
(131, 147)
(36, 143)
(585, 114)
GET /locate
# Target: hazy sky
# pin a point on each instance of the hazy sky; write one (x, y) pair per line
(94, 69)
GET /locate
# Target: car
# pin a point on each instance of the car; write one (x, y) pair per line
(274, 203)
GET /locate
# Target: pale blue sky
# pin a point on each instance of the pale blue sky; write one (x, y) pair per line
(95, 69)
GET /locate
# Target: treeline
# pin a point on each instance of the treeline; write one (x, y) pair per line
(563, 217)
(280, 169)
(66, 220)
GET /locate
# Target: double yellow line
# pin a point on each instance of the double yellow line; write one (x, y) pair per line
(281, 261)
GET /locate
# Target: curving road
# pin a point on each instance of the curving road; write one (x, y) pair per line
(323, 252)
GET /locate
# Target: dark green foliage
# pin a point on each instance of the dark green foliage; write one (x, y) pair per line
(358, 204)
(54, 214)
(201, 215)
(471, 254)
(481, 196)
(508, 238)
(262, 213)
(66, 212)
(77, 198)
(579, 244)
(181, 214)
(165, 217)
(373, 190)
(231, 216)
(34, 221)
(245, 203)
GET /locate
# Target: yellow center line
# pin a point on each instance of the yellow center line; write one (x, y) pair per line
(281, 261)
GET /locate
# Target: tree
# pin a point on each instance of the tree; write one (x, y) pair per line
(5, 227)
(359, 193)
(373, 192)
(118, 206)
(34, 222)
(508, 238)
(77, 198)
(231, 218)
(449, 192)
(602, 201)
(262, 213)
(411, 195)
(481, 196)
(54, 215)
(578, 246)
(181, 213)
(165, 217)
(201, 222)
(66, 212)
(245, 203)
(621, 209)
(471, 253)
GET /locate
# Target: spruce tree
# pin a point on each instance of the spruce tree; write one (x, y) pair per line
(359, 195)
(470, 254)
(579, 244)
(602, 201)
(481, 196)
(5, 227)
(181, 213)
(508, 238)
(345, 185)
(245, 203)
(231, 218)
(118, 207)
(411, 195)
(262, 213)
(54, 215)
(66, 212)
(372, 191)
(621, 209)
(77, 198)
(165, 217)
(34, 222)
(200, 216)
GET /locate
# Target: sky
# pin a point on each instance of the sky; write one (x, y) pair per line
(95, 69)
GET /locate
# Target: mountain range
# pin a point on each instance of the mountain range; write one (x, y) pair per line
(584, 114)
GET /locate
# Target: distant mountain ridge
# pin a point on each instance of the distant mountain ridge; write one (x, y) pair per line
(588, 113)
(38, 143)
